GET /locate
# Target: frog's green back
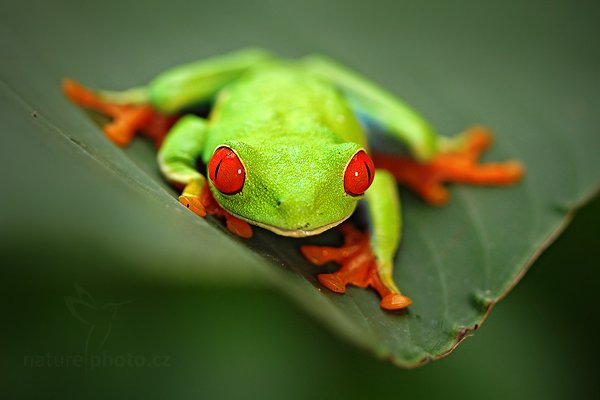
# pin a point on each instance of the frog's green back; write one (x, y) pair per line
(279, 101)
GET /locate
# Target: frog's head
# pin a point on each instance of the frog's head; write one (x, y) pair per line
(292, 189)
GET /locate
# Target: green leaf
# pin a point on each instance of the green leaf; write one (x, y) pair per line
(68, 190)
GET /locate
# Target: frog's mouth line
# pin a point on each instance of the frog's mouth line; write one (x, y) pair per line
(297, 233)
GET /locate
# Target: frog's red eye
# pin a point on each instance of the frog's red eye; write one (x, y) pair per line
(226, 171)
(359, 174)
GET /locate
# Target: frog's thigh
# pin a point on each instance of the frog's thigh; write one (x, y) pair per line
(187, 85)
(383, 205)
(180, 149)
(366, 98)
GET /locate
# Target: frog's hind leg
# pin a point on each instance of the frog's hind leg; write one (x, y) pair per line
(127, 118)
(439, 159)
(152, 109)
(457, 161)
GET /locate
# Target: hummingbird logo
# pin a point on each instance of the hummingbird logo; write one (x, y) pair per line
(99, 318)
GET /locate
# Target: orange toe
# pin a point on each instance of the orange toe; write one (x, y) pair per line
(194, 204)
(332, 282)
(320, 255)
(239, 227)
(395, 301)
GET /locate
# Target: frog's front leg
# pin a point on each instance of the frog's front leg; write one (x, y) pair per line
(367, 258)
(177, 161)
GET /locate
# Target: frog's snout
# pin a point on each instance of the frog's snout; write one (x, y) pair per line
(298, 212)
(292, 207)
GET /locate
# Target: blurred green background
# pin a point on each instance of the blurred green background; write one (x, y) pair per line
(538, 343)
(213, 341)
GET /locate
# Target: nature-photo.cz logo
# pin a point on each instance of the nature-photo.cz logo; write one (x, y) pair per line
(99, 322)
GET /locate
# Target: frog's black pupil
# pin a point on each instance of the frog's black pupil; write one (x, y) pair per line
(218, 167)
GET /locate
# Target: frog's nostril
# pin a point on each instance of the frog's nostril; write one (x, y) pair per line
(296, 208)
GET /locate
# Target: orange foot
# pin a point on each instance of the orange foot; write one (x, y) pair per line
(127, 119)
(461, 166)
(205, 204)
(359, 267)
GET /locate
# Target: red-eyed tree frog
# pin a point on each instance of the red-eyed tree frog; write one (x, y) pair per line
(285, 150)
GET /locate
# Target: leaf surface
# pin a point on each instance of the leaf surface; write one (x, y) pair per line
(71, 189)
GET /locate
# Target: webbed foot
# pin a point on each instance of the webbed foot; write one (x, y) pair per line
(127, 119)
(359, 267)
(459, 164)
(200, 200)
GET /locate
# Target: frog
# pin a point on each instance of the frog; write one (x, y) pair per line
(285, 147)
